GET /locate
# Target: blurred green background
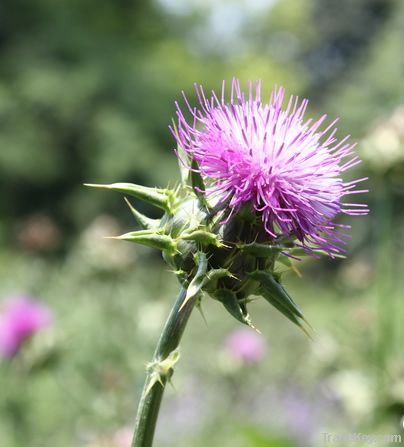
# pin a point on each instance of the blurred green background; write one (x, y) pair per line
(87, 91)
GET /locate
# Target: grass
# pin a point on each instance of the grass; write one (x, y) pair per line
(78, 383)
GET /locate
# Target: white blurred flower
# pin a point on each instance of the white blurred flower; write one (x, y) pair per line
(151, 316)
(102, 253)
(384, 146)
(355, 391)
(325, 348)
(356, 274)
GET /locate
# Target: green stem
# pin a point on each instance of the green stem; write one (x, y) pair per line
(153, 392)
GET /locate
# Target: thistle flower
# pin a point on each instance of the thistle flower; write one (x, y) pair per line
(260, 185)
(271, 159)
(20, 318)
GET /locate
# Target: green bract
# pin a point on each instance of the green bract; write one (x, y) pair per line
(228, 261)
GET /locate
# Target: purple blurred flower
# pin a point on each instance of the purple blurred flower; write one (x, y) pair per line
(269, 157)
(245, 345)
(20, 317)
(299, 415)
(122, 438)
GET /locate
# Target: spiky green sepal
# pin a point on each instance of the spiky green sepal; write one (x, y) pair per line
(144, 222)
(203, 237)
(273, 291)
(161, 198)
(235, 308)
(228, 261)
(260, 250)
(152, 239)
(197, 282)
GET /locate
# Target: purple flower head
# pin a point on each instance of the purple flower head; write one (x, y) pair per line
(20, 317)
(270, 157)
(245, 345)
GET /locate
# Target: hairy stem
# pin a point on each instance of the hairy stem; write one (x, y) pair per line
(153, 390)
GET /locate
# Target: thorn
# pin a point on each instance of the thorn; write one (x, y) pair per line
(249, 322)
(199, 307)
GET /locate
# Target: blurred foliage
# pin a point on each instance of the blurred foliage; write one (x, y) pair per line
(87, 90)
(77, 383)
